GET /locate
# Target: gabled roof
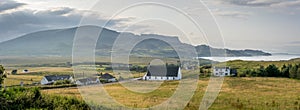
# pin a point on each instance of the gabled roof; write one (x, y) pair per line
(57, 77)
(107, 76)
(83, 80)
(169, 71)
(221, 68)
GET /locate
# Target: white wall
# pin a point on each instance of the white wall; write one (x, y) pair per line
(112, 80)
(159, 78)
(179, 76)
(44, 81)
(221, 72)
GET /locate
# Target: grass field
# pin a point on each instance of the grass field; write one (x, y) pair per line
(39, 69)
(236, 93)
(256, 64)
(17, 79)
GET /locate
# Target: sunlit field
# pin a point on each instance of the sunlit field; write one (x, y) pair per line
(12, 80)
(236, 93)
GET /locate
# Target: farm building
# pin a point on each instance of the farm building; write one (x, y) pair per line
(53, 78)
(14, 72)
(87, 81)
(155, 72)
(25, 71)
(221, 71)
(108, 77)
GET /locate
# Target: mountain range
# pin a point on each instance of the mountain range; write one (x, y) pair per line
(59, 42)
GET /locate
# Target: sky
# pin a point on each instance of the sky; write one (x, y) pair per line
(268, 25)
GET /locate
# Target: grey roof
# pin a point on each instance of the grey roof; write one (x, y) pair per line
(57, 77)
(83, 80)
(169, 71)
(221, 68)
(107, 76)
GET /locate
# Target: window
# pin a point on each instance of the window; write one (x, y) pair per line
(226, 74)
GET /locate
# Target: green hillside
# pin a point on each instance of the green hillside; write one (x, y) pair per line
(59, 42)
(240, 64)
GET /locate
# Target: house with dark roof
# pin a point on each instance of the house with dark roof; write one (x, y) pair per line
(53, 78)
(25, 71)
(156, 72)
(221, 71)
(108, 77)
(14, 72)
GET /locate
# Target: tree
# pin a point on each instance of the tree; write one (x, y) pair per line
(293, 71)
(272, 71)
(1, 75)
(298, 74)
(261, 71)
(247, 72)
(253, 73)
(285, 71)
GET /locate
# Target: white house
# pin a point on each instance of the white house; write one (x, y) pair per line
(52, 78)
(221, 71)
(158, 73)
(87, 81)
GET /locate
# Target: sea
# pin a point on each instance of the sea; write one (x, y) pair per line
(254, 58)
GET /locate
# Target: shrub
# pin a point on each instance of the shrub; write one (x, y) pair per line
(242, 75)
(31, 98)
(60, 82)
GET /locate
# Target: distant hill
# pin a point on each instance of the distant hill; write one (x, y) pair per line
(207, 51)
(59, 42)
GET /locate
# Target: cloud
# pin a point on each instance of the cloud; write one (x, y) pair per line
(232, 14)
(289, 4)
(16, 23)
(260, 3)
(9, 5)
(293, 43)
(291, 7)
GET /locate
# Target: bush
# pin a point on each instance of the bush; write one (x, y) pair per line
(242, 75)
(2, 75)
(31, 98)
(60, 82)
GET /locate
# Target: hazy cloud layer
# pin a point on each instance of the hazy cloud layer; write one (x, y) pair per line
(290, 4)
(8, 5)
(263, 3)
(18, 22)
(233, 14)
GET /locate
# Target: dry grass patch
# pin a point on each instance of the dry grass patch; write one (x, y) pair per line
(70, 92)
(236, 93)
(26, 79)
(259, 93)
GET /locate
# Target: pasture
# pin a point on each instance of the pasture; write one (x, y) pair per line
(236, 93)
